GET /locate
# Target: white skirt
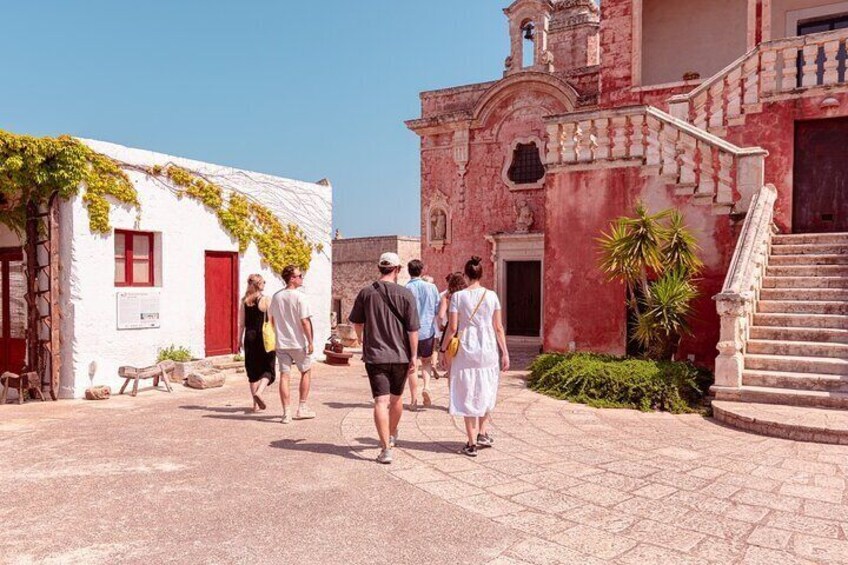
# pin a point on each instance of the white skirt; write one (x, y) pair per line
(473, 392)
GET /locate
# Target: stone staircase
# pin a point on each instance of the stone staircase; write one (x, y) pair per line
(797, 351)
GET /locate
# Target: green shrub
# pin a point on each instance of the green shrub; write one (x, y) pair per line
(605, 381)
(238, 358)
(174, 353)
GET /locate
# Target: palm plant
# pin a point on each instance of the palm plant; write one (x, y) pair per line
(655, 256)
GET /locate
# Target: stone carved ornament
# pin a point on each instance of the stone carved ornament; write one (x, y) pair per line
(525, 218)
(438, 221)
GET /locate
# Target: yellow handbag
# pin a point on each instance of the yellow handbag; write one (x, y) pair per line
(453, 345)
(269, 336)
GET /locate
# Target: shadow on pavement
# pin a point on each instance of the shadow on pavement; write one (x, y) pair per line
(345, 405)
(425, 446)
(344, 451)
(234, 413)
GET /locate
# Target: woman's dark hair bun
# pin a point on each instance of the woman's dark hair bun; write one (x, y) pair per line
(474, 268)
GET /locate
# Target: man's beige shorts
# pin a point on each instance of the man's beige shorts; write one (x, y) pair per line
(289, 357)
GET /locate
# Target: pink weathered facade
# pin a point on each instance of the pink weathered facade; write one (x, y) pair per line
(706, 140)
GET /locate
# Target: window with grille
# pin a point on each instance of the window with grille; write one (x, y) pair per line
(527, 167)
(134, 258)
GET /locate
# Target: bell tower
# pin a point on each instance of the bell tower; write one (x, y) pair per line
(553, 35)
(529, 21)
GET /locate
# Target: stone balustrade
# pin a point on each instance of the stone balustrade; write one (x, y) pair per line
(781, 68)
(711, 170)
(738, 299)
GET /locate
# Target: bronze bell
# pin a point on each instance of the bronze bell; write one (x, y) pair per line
(528, 32)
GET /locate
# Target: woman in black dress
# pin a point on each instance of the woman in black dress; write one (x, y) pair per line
(257, 362)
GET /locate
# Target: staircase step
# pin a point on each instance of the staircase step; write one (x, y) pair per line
(805, 282)
(809, 259)
(770, 395)
(807, 271)
(797, 364)
(811, 249)
(800, 423)
(810, 238)
(802, 307)
(796, 381)
(805, 294)
(802, 320)
(797, 348)
(820, 335)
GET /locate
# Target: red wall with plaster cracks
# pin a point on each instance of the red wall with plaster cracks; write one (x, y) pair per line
(584, 309)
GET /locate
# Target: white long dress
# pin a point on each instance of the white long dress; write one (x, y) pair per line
(475, 370)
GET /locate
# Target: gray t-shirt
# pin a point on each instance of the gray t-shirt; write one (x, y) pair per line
(385, 338)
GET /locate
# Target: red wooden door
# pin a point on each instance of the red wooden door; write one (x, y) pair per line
(221, 302)
(820, 180)
(12, 310)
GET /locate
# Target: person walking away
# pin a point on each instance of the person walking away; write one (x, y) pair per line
(427, 299)
(258, 363)
(456, 282)
(292, 322)
(475, 317)
(385, 317)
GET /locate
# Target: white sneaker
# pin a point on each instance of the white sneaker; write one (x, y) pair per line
(287, 419)
(392, 441)
(385, 456)
(304, 413)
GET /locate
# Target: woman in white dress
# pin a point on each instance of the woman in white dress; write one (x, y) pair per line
(475, 316)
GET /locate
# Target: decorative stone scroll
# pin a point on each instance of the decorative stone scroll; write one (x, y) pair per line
(438, 221)
(461, 148)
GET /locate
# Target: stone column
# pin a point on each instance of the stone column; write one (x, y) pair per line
(733, 309)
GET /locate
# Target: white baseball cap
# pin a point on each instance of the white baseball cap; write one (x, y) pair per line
(389, 259)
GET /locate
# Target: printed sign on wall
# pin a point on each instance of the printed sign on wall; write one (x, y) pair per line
(138, 310)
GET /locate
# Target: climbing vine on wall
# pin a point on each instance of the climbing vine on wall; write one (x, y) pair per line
(245, 219)
(32, 169)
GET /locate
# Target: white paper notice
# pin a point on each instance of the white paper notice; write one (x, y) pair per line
(138, 310)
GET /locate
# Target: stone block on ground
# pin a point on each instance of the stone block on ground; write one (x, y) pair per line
(206, 378)
(98, 393)
(182, 370)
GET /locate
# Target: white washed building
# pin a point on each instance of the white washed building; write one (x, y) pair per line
(185, 292)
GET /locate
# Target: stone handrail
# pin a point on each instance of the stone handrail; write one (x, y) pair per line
(700, 164)
(737, 301)
(779, 67)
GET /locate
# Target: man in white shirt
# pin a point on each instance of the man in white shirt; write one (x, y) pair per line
(289, 314)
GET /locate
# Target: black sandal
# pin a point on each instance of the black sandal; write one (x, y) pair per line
(259, 402)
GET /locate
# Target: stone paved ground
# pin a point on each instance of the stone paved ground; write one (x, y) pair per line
(191, 478)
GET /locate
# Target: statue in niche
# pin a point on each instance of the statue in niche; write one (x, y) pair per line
(525, 218)
(439, 225)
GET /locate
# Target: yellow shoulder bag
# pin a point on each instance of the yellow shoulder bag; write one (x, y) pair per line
(453, 345)
(269, 336)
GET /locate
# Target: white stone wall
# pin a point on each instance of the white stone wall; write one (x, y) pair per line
(92, 344)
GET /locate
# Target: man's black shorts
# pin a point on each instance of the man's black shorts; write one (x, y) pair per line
(385, 379)
(425, 347)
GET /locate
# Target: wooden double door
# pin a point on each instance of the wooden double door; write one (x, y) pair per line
(820, 178)
(13, 310)
(524, 298)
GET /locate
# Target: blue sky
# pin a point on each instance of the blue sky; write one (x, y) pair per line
(298, 89)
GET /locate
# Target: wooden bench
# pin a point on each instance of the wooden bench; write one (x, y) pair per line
(26, 381)
(160, 372)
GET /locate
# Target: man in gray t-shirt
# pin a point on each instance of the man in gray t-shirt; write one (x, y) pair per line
(385, 317)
